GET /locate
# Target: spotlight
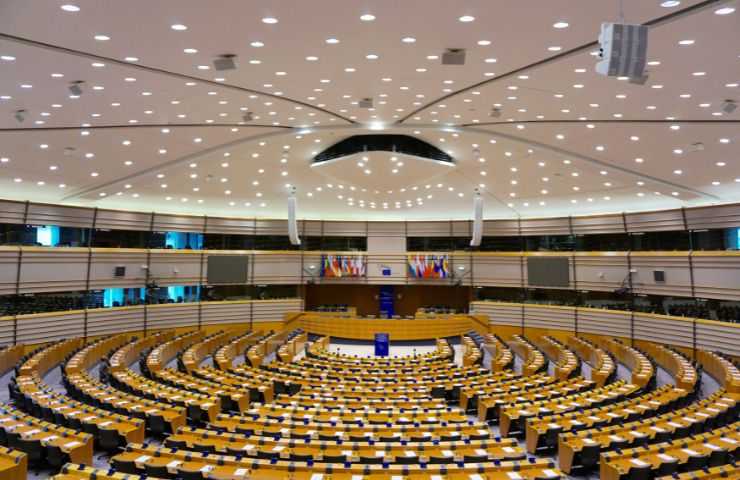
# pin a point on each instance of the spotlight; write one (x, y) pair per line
(225, 62)
(75, 88)
(729, 106)
(248, 116)
(20, 115)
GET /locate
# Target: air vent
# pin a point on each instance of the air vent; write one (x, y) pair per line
(453, 56)
(366, 103)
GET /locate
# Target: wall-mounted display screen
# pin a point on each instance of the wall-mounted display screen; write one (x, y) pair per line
(548, 272)
(227, 269)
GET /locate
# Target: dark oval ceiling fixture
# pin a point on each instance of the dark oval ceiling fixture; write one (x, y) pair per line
(402, 144)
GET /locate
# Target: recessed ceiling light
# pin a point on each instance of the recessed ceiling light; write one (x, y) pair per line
(7, 58)
(311, 58)
(270, 20)
(179, 27)
(555, 48)
(670, 3)
(332, 41)
(560, 25)
(371, 56)
(132, 59)
(408, 40)
(724, 11)
(190, 50)
(102, 38)
(484, 43)
(98, 64)
(686, 42)
(70, 8)
(368, 17)
(467, 18)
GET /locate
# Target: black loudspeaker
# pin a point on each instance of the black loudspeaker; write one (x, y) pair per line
(659, 275)
(119, 272)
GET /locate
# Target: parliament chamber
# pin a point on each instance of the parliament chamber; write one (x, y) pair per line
(377, 240)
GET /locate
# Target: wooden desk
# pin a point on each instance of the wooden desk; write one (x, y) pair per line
(13, 464)
(228, 467)
(642, 370)
(615, 465)
(9, 357)
(721, 369)
(533, 359)
(566, 363)
(501, 356)
(680, 368)
(694, 416)
(602, 365)
(361, 328)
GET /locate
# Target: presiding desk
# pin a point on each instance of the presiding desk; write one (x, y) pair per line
(361, 328)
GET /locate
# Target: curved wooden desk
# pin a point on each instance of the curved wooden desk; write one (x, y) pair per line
(360, 328)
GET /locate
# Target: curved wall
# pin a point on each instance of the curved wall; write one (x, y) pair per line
(686, 333)
(47, 327)
(693, 218)
(48, 269)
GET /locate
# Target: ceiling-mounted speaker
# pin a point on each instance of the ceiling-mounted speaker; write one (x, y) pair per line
(623, 50)
(453, 56)
(729, 106)
(225, 62)
(75, 88)
(477, 220)
(292, 222)
(366, 103)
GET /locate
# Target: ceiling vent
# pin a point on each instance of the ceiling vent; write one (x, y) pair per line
(366, 103)
(225, 62)
(453, 56)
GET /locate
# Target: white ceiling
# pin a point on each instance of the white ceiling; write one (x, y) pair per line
(568, 141)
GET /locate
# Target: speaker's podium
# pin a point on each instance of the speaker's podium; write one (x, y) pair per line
(382, 341)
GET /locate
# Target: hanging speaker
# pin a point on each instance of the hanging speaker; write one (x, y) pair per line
(477, 220)
(292, 222)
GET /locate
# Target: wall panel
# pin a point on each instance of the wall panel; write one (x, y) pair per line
(230, 226)
(664, 329)
(604, 322)
(665, 220)
(594, 224)
(504, 270)
(176, 267)
(104, 262)
(12, 212)
(674, 264)
(50, 327)
(600, 272)
(172, 315)
(717, 275)
(276, 268)
(53, 270)
(107, 321)
(6, 331)
(717, 336)
(8, 269)
(120, 220)
(715, 216)
(46, 214)
(549, 317)
(545, 226)
(501, 228)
